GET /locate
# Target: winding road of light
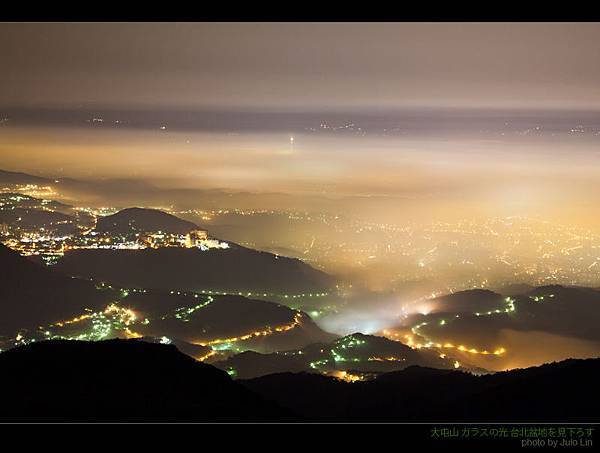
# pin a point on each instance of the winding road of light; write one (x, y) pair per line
(257, 333)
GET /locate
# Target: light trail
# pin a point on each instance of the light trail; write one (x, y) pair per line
(257, 333)
(71, 321)
(448, 345)
(206, 356)
(387, 359)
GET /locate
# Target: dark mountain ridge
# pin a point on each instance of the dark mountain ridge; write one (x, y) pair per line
(553, 392)
(130, 380)
(471, 300)
(235, 269)
(121, 380)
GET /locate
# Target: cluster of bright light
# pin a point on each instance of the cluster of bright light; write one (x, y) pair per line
(52, 248)
(510, 307)
(340, 358)
(318, 363)
(349, 342)
(387, 359)
(540, 298)
(102, 325)
(348, 377)
(126, 315)
(31, 190)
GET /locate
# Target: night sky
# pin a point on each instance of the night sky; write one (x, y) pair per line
(289, 66)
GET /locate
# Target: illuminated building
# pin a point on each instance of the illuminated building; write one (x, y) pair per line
(194, 238)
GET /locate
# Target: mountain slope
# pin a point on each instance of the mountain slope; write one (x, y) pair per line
(235, 269)
(31, 294)
(469, 301)
(142, 220)
(119, 380)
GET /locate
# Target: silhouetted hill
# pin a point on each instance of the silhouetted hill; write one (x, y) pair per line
(234, 269)
(121, 380)
(250, 364)
(353, 353)
(31, 294)
(195, 351)
(553, 392)
(130, 380)
(572, 311)
(556, 310)
(468, 301)
(139, 220)
(12, 177)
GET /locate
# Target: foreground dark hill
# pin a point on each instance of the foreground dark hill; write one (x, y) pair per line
(130, 380)
(234, 269)
(119, 380)
(31, 295)
(140, 220)
(555, 392)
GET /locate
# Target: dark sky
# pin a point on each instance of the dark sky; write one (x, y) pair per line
(291, 66)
